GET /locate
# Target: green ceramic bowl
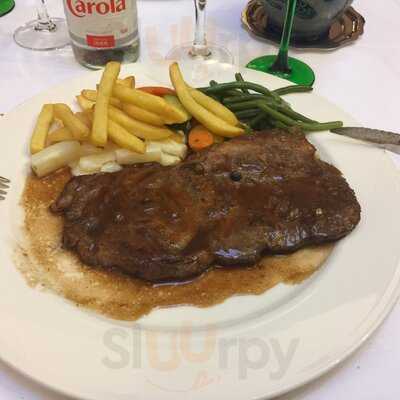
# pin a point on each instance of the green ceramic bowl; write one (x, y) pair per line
(313, 17)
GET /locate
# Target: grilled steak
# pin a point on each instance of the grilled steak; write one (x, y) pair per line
(229, 205)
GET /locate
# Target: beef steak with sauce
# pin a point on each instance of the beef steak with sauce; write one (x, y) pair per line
(229, 205)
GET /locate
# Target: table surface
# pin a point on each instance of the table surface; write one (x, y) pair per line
(364, 78)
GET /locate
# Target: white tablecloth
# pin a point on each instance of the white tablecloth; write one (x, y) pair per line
(363, 79)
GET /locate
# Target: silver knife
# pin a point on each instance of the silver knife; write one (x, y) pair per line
(388, 140)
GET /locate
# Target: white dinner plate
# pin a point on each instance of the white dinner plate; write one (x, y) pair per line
(249, 347)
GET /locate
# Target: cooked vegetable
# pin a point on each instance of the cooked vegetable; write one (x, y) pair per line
(149, 102)
(92, 96)
(39, 136)
(218, 139)
(88, 149)
(129, 81)
(60, 135)
(245, 114)
(138, 128)
(100, 120)
(245, 97)
(200, 138)
(54, 157)
(142, 115)
(94, 162)
(208, 119)
(168, 159)
(169, 146)
(111, 167)
(214, 106)
(84, 103)
(174, 101)
(126, 157)
(260, 108)
(239, 78)
(79, 130)
(124, 139)
(84, 117)
(157, 90)
(222, 87)
(253, 123)
(293, 89)
(309, 127)
(178, 137)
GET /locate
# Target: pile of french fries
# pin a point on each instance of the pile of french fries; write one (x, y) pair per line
(120, 125)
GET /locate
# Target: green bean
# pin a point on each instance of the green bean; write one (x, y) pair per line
(293, 89)
(233, 93)
(309, 127)
(230, 92)
(321, 126)
(247, 113)
(257, 119)
(240, 85)
(276, 115)
(239, 78)
(245, 105)
(278, 124)
(245, 97)
(295, 115)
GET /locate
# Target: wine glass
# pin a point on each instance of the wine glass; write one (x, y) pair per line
(200, 49)
(281, 65)
(43, 33)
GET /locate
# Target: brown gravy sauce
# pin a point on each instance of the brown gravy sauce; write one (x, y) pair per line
(45, 264)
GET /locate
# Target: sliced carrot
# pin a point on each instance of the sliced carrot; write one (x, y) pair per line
(157, 90)
(200, 138)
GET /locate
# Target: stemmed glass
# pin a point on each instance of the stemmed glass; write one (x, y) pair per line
(281, 65)
(200, 49)
(43, 33)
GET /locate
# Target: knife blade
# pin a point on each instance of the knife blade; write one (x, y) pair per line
(370, 135)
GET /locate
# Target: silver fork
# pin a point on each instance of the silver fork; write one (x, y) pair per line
(4, 184)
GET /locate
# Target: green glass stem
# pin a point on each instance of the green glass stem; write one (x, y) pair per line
(281, 63)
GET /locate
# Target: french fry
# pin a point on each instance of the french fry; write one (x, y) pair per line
(174, 101)
(143, 115)
(129, 81)
(60, 135)
(100, 120)
(92, 96)
(124, 139)
(84, 103)
(214, 106)
(84, 117)
(138, 128)
(208, 119)
(39, 136)
(149, 102)
(78, 129)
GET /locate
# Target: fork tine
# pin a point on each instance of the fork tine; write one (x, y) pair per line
(4, 186)
(2, 198)
(2, 192)
(2, 179)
